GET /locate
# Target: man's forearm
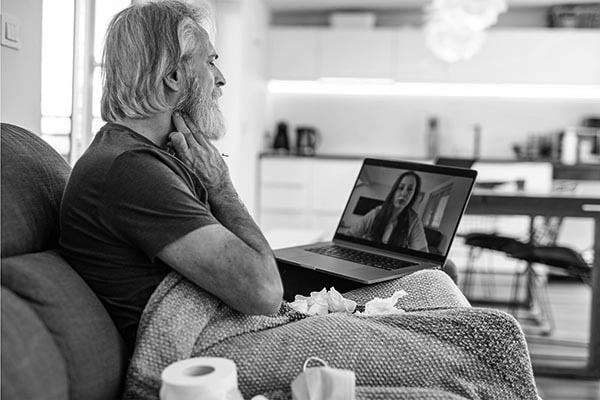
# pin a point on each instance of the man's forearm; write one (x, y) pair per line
(232, 213)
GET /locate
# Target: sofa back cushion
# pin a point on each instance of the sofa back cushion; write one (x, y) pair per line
(34, 176)
(80, 326)
(32, 365)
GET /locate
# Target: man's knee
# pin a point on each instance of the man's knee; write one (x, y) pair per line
(450, 268)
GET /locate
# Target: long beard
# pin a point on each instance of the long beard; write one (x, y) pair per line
(204, 111)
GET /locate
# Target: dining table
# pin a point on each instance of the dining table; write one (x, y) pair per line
(555, 361)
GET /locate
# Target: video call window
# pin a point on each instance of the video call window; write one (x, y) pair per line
(405, 209)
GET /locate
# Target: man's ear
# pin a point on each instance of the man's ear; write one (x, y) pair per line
(175, 80)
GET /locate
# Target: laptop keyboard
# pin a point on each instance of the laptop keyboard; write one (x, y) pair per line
(361, 257)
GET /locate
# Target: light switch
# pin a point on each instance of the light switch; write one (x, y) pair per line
(11, 31)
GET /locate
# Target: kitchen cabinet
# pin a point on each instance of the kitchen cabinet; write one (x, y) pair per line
(312, 53)
(293, 53)
(415, 62)
(304, 193)
(533, 56)
(521, 56)
(357, 54)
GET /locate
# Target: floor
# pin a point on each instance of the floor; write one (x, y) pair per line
(570, 305)
(571, 309)
(567, 389)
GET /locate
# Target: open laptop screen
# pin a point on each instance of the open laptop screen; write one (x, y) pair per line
(406, 207)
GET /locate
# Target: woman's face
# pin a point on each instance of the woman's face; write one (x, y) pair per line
(405, 192)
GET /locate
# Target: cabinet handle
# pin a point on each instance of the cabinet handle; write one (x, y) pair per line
(591, 207)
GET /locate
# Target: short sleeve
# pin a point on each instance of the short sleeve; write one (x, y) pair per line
(150, 203)
(361, 228)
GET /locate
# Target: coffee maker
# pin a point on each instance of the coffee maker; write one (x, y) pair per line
(307, 138)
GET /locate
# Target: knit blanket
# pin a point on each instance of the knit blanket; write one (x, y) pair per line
(441, 348)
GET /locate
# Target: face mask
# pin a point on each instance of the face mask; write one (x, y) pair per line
(323, 383)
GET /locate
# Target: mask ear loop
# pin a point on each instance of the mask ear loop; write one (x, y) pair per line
(316, 359)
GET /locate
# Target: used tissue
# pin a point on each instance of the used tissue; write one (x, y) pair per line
(379, 306)
(324, 302)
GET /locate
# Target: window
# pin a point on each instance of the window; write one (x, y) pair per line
(57, 73)
(72, 38)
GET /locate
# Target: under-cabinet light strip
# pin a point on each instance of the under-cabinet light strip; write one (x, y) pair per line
(358, 87)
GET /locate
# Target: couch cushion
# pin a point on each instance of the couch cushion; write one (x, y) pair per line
(33, 180)
(81, 327)
(32, 365)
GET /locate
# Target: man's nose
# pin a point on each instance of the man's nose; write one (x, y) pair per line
(220, 78)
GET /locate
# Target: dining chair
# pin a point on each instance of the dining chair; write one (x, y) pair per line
(541, 249)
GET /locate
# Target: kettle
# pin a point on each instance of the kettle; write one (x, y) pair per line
(306, 140)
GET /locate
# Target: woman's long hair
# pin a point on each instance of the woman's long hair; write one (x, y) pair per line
(399, 235)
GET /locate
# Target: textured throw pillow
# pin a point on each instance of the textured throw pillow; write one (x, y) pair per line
(32, 365)
(34, 176)
(81, 327)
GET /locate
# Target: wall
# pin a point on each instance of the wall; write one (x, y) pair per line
(380, 125)
(22, 69)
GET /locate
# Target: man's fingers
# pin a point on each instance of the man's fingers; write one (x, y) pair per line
(196, 132)
(180, 123)
(178, 142)
(190, 123)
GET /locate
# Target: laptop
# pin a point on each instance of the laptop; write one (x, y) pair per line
(456, 162)
(369, 258)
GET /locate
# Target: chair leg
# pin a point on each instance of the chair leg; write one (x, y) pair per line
(490, 281)
(539, 291)
(514, 299)
(469, 271)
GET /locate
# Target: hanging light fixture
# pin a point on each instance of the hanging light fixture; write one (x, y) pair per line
(455, 29)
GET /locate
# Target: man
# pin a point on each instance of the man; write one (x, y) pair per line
(152, 193)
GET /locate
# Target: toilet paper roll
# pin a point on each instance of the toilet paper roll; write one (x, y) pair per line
(206, 378)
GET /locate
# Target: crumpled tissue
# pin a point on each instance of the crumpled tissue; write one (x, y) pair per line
(324, 302)
(379, 306)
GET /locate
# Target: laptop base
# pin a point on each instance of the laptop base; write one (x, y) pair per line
(297, 280)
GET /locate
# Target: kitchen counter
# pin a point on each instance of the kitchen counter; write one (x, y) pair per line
(560, 171)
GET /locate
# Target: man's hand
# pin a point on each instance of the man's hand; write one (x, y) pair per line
(192, 147)
(232, 260)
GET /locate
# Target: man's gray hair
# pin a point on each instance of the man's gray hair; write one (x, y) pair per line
(144, 44)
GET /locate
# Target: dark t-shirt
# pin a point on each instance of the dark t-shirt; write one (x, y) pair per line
(126, 199)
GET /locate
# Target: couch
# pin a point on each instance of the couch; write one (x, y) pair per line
(58, 341)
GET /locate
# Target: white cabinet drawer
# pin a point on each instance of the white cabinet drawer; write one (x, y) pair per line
(333, 181)
(270, 220)
(284, 198)
(305, 193)
(285, 172)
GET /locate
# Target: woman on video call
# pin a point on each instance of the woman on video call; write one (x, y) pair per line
(395, 222)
